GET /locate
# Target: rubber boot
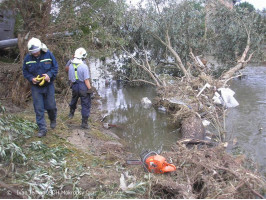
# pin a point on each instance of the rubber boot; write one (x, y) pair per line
(71, 113)
(41, 133)
(53, 124)
(85, 123)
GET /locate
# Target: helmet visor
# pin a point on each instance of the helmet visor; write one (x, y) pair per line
(84, 55)
(34, 49)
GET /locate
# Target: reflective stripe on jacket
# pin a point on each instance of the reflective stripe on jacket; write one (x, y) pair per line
(44, 64)
(76, 71)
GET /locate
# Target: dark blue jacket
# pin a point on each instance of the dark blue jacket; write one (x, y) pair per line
(45, 64)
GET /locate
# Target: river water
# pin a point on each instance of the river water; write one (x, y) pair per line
(149, 128)
(141, 128)
(247, 122)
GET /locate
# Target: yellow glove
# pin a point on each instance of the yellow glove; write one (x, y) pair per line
(42, 82)
(38, 78)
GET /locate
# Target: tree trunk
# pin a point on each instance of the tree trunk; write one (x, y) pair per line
(177, 57)
(21, 47)
(192, 128)
(241, 63)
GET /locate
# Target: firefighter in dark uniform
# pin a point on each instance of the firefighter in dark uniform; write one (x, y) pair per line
(40, 62)
(79, 77)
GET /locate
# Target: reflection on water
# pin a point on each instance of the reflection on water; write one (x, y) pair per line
(247, 122)
(141, 128)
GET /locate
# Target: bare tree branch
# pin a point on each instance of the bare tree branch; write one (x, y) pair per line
(241, 62)
(144, 81)
(177, 57)
(157, 81)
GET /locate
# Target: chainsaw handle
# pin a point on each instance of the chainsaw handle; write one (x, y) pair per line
(171, 165)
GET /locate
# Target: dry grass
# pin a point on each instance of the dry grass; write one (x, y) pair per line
(207, 173)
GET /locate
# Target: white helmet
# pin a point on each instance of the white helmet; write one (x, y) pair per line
(34, 45)
(80, 53)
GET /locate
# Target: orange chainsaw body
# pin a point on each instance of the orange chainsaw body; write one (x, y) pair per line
(157, 164)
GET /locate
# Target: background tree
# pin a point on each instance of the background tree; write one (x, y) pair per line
(170, 29)
(64, 26)
(234, 36)
(245, 5)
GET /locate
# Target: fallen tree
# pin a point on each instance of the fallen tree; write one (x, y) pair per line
(189, 96)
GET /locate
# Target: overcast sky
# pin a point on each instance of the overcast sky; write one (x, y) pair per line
(258, 4)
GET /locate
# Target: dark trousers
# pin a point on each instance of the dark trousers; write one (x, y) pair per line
(44, 99)
(80, 90)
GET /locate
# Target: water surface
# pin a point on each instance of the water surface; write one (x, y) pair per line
(141, 128)
(247, 122)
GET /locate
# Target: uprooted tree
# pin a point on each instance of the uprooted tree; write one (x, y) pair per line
(178, 39)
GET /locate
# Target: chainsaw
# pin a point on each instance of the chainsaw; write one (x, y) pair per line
(152, 162)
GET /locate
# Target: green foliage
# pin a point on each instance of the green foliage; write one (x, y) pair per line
(246, 6)
(42, 152)
(98, 22)
(18, 24)
(13, 127)
(13, 131)
(184, 22)
(10, 152)
(229, 31)
(48, 167)
(2, 109)
(221, 32)
(132, 72)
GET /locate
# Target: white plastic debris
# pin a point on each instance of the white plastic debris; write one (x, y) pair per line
(217, 99)
(106, 125)
(146, 103)
(125, 178)
(200, 62)
(176, 101)
(208, 138)
(205, 122)
(207, 85)
(123, 184)
(162, 109)
(225, 144)
(226, 98)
